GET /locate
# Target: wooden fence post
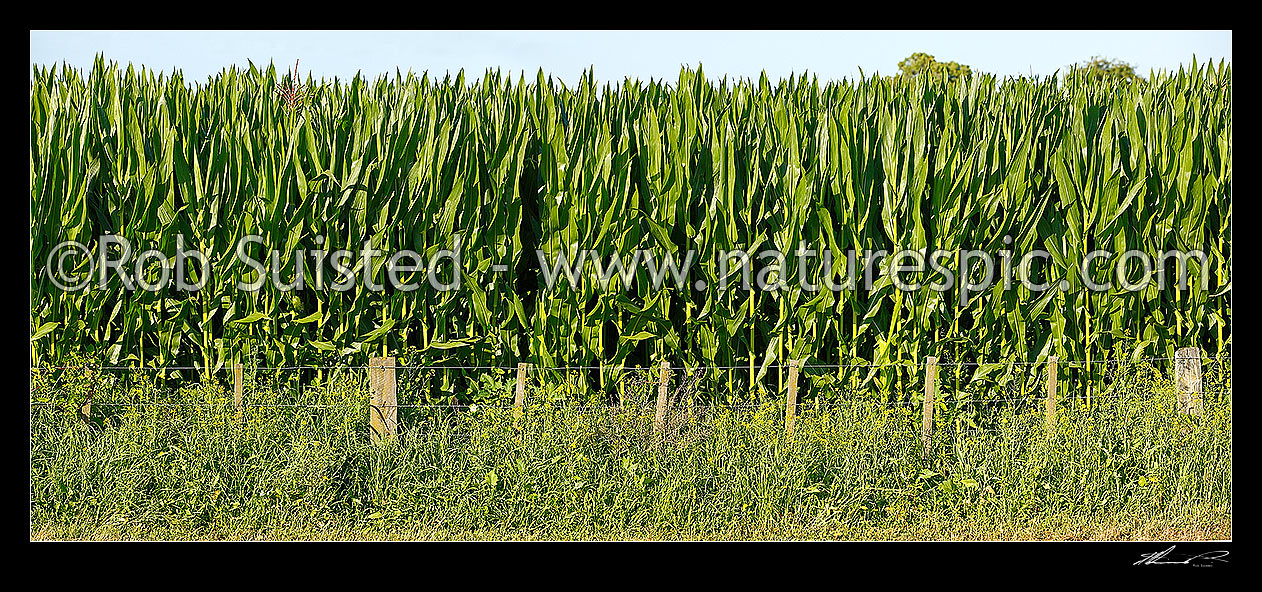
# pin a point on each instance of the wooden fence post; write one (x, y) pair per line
(238, 392)
(659, 419)
(931, 392)
(791, 401)
(519, 396)
(1052, 363)
(383, 411)
(1187, 379)
(85, 410)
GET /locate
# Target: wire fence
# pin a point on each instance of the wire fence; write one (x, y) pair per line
(961, 385)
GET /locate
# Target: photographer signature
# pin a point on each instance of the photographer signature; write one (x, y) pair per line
(1159, 558)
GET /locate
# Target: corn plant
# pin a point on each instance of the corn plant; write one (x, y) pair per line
(500, 167)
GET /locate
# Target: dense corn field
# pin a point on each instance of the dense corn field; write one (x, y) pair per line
(499, 167)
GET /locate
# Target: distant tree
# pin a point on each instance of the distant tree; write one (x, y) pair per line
(1104, 68)
(922, 63)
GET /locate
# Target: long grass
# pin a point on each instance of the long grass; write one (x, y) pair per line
(1127, 467)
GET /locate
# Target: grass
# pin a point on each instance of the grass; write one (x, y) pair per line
(1208, 526)
(1127, 467)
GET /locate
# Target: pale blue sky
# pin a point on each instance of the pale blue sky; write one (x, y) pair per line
(618, 54)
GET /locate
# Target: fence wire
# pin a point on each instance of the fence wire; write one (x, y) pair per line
(638, 405)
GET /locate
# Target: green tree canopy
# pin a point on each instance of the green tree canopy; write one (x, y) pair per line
(1106, 68)
(920, 63)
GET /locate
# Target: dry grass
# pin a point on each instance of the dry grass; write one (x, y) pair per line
(1202, 527)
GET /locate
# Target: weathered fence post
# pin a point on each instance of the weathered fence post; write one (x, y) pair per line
(519, 395)
(791, 401)
(1187, 379)
(383, 411)
(238, 392)
(659, 419)
(931, 392)
(85, 410)
(1050, 412)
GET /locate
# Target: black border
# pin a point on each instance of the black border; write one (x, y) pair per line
(921, 563)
